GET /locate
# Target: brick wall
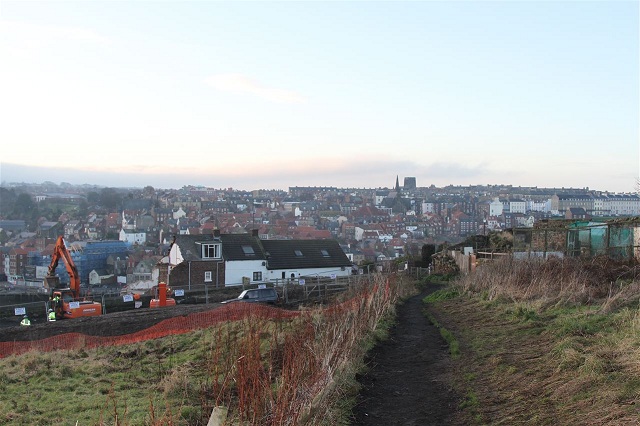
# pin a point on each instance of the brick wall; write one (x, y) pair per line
(180, 274)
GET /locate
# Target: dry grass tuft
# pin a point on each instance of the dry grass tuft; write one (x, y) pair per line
(555, 281)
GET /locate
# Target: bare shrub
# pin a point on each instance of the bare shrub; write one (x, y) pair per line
(287, 372)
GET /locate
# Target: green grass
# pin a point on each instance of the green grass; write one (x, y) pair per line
(452, 342)
(438, 278)
(470, 401)
(440, 295)
(454, 346)
(60, 388)
(582, 325)
(524, 313)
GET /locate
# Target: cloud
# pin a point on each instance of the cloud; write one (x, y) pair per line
(238, 83)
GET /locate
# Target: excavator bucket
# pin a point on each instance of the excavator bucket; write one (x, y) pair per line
(51, 282)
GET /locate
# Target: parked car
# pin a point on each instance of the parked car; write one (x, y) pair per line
(259, 295)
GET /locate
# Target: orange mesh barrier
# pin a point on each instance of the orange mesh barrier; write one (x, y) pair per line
(185, 324)
(170, 326)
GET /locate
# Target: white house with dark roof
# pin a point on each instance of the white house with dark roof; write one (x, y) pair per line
(295, 259)
(222, 260)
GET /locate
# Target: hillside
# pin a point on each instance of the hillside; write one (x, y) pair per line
(544, 343)
(529, 342)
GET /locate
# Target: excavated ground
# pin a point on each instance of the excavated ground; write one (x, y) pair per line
(113, 324)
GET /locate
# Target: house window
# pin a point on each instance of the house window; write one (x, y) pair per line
(207, 276)
(324, 253)
(248, 251)
(257, 276)
(211, 251)
(298, 253)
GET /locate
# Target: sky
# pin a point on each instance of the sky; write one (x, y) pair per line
(268, 95)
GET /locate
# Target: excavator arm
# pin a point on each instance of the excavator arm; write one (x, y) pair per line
(60, 252)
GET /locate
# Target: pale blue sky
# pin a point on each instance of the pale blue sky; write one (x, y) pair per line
(276, 94)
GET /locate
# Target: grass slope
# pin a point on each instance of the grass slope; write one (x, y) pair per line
(530, 354)
(117, 385)
(265, 371)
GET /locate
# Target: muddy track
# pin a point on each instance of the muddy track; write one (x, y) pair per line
(407, 380)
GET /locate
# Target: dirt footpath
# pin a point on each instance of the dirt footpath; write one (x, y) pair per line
(407, 383)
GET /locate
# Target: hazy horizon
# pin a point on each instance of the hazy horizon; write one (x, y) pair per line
(39, 175)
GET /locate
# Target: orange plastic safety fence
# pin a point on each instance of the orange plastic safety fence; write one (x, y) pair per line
(171, 326)
(180, 325)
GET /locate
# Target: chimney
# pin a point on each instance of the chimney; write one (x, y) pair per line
(254, 233)
(216, 233)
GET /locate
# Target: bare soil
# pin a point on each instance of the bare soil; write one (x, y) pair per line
(409, 375)
(113, 324)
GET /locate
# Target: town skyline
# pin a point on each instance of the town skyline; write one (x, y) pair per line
(371, 224)
(398, 181)
(24, 175)
(262, 94)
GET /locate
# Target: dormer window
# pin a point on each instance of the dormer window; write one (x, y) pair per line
(211, 251)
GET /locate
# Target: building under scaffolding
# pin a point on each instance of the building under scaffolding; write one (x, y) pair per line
(86, 255)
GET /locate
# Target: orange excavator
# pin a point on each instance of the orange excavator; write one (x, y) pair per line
(66, 301)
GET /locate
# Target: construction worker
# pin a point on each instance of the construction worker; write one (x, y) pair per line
(25, 321)
(56, 301)
(51, 316)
